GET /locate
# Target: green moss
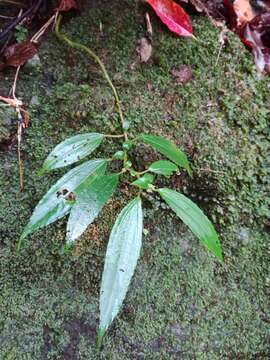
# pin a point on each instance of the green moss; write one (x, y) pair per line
(181, 304)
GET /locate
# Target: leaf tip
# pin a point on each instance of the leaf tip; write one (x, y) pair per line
(189, 171)
(219, 255)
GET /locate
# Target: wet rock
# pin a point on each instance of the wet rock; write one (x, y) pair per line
(7, 116)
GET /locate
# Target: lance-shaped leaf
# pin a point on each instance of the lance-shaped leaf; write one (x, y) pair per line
(72, 150)
(90, 197)
(53, 205)
(172, 15)
(167, 148)
(121, 258)
(163, 167)
(194, 218)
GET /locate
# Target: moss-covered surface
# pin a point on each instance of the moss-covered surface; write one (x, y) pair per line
(182, 303)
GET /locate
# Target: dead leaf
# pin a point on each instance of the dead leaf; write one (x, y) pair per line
(17, 54)
(182, 74)
(173, 16)
(66, 5)
(149, 87)
(257, 35)
(243, 11)
(144, 49)
(199, 6)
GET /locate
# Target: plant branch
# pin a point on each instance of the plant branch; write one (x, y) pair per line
(91, 53)
(19, 127)
(114, 136)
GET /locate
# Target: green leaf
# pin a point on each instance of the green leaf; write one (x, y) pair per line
(167, 148)
(163, 167)
(121, 258)
(144, 181)
(53, 205)
(90, 196)
(72, 150)
(119, 155)
(127, 145)
(194, 218)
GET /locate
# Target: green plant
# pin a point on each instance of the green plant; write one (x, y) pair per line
(20, 33)
(84, 190)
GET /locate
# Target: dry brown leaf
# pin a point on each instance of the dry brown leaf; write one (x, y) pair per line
(182, 74)
(257, 35)
(144, 49)
(199, 6)
(243, 11)
(17, 54)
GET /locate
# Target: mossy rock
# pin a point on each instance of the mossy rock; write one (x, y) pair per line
(7, 123)
(181, 303)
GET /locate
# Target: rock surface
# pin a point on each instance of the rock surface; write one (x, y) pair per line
(7, 115)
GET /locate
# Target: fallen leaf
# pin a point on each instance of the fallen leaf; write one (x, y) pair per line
(17, 54)
(172, 15)
(149, 87)
(230, 15)
(198, 5)
(144, 49)
(66, 5)
(182, 74)
(256, 35)
(243, 11)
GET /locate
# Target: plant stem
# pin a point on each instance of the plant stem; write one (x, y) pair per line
(142, 172)
(114, 136)
(91, 53)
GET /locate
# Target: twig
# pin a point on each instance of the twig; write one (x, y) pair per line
(42, 30)
(12, 3)
(7, 17)
(222, 38)
(19, 127)
(15, 83)
(11, 102)
(114, 136)
(149, 28)
(14, 23)
(91, 53)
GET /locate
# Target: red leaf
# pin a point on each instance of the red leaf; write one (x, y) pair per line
(18, 54)
(230, 14)
(172, 15)
(66, 5)
(257, 35)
